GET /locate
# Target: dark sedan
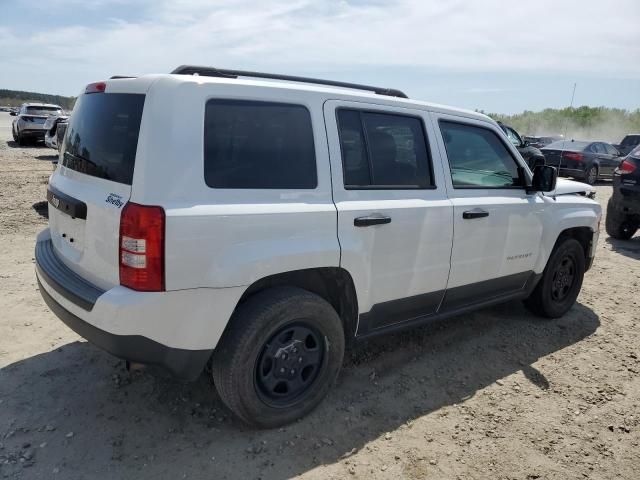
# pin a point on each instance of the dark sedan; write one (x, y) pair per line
(585, 161)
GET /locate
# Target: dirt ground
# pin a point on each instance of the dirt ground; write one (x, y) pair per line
(498, 394)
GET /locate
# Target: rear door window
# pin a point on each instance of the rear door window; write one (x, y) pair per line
(611, 150)
(258, 145)
(381, 150)
(102, 136)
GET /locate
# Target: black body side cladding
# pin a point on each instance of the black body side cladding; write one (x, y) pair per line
(416, 311)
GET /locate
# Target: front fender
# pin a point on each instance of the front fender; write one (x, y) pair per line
(563, 213)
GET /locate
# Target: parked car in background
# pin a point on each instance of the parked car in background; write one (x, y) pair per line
(628, 143)
(29, 124)
(540, 142)
(586, 161)
(532, 155)
(51, 129)
(623, 209)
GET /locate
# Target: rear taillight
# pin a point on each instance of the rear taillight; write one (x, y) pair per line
(626, 167)
(97, 87)
(142, 247)
(578, 157)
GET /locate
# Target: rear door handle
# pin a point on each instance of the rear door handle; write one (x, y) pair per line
(475, 213)
(371, 220)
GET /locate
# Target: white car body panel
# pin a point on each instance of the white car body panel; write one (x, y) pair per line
(218, 242)
(409, 256)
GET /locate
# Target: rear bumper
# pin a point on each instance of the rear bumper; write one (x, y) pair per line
(176, 330)
(186, 364)
(50, 141)
(33, 133)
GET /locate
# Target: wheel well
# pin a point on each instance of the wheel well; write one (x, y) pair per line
(584, 235)
(334, 284)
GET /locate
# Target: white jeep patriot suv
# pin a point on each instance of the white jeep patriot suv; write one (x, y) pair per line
(220, 216)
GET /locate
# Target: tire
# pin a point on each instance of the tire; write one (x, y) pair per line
(21, 140)
(619, 226)
(591, 176)
(259, 365)
(13, 133)
(561, 280)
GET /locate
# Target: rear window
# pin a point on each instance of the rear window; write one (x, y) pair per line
(630, 140)
(40, 110)
(568, 145)
(102, 135)
(251, 144)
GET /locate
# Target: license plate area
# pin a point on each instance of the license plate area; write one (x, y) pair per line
(67, 234)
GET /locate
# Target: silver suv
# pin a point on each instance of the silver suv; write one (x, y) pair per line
(30, 120)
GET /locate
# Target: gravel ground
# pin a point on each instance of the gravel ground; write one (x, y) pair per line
(497, 394)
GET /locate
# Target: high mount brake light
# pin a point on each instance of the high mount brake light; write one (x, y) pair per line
(141, 246)
(97, 87)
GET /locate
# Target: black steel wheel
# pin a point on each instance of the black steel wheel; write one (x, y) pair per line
(561, 280)
(289, 364)
(279, 356)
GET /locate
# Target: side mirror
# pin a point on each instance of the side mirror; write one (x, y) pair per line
(13, 114)
(544, 179)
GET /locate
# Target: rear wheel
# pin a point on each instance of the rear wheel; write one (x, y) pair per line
(279, 356)
(592, 175)
(618, 226)
(561, 280)
(21, 140)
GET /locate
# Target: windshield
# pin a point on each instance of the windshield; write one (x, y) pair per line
(43, 110)
(102, 136)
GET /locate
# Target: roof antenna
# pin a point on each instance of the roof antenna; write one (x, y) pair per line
(566, 125)
(566, 122)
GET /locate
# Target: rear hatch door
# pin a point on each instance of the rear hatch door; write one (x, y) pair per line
(88, 190)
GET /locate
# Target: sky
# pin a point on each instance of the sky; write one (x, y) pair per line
(492, 55)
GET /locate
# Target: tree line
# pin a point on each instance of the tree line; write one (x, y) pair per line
(587, 123)
(15, 98)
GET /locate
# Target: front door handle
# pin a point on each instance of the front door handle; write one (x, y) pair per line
(475, 213)
(371, 220)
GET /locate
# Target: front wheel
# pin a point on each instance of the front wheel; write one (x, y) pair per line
(279, 356)
(561, 280)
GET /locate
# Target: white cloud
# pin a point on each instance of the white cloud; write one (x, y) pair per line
(304, 36)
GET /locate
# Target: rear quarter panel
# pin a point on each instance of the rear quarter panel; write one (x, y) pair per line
(228, 237)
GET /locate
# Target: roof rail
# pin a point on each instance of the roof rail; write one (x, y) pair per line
(225, 73)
